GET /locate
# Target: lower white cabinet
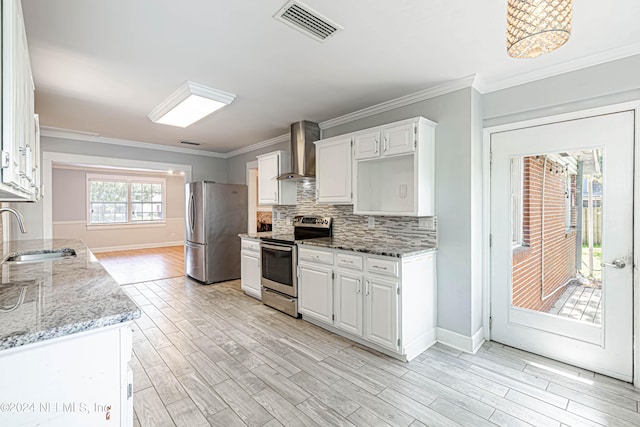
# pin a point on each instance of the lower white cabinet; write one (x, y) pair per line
(250, 267)
(82, 379)
(381, 312)
(386, 303)
(315, 285)
(348, 302)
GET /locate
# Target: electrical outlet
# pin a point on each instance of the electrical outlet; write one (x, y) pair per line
(278, 215)
(372, 222)
(288, 221)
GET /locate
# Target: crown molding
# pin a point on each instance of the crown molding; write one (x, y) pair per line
(94, 137)
(566, 67)
(259, 145)
(412, 98)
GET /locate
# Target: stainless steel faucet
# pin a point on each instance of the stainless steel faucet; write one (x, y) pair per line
(18, 216)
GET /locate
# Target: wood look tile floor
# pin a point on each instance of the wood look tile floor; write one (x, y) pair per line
(143, 265)
(210, 355)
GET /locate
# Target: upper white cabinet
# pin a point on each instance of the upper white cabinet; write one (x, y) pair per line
(399, 180)
(367, 145)
(333, 170)
(20, 133)
(400, 139)
(270, 190)
(386, 170)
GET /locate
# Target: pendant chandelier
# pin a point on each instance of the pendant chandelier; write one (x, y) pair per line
(536, 27)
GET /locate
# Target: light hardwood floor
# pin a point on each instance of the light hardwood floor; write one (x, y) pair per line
(210, 355)
(143, 265)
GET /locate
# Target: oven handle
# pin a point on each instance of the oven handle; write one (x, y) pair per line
(278, 248)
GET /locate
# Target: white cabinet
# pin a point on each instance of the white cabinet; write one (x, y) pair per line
(348, 302)
(20, 150)
(315, 298)
(381, 311)
(82, 379)
(270, 190)
(349, 289)
(333, 170)
(367, 145)
(315, 284)
(383, 302)
(399, 139)
(388, 140)
(400, 180)
(386, 170)
(250, 267)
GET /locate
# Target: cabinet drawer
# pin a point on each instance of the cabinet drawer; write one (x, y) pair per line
(250, 245)
(314, 255)
(383, 266)
(349, 261)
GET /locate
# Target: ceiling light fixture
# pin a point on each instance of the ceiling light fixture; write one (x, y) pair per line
(536, 27)
(190, 103)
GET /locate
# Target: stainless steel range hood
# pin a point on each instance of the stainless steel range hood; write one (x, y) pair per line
(303, 151)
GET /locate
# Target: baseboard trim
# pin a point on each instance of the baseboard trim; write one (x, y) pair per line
(420, 344)
(461, 342)
(133, 247)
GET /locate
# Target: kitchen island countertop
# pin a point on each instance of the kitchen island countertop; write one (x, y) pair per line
(61, 297)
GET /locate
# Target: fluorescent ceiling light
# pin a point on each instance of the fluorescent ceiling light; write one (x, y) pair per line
(190, 103)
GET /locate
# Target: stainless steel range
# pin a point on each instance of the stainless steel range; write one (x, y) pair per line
(279, 255)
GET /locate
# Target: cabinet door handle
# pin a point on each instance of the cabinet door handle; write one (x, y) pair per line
(386, 146)
(367, 285)
(275, 196)
(358, 287)
(377, 146)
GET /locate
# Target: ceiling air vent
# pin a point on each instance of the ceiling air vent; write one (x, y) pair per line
(189, 143)
(301, 17)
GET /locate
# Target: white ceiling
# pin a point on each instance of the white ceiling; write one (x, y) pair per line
(101, 66)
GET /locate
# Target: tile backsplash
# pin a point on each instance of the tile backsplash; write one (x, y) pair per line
(394, 229)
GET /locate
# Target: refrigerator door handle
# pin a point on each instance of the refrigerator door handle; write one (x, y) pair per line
(192, 212)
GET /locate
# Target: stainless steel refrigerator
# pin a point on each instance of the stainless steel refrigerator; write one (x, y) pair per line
(216, 214)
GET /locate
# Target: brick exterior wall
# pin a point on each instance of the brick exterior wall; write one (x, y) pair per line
(560, 243)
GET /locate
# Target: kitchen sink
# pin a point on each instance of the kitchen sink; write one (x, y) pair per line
(39, 256)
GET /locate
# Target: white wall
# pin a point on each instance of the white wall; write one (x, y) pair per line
(604, 84)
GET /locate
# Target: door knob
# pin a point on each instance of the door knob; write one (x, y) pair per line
(617, 263)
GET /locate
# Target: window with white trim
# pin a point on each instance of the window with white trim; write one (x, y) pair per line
(115, 199)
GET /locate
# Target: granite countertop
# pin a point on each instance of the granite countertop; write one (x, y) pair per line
(256, 235)
(369, 246)
(61, 297)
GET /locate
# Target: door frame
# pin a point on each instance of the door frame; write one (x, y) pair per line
(486, 210)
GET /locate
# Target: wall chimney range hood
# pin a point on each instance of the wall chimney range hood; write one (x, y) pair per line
(303, 151)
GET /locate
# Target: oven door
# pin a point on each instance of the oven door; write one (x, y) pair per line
(279, 268)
